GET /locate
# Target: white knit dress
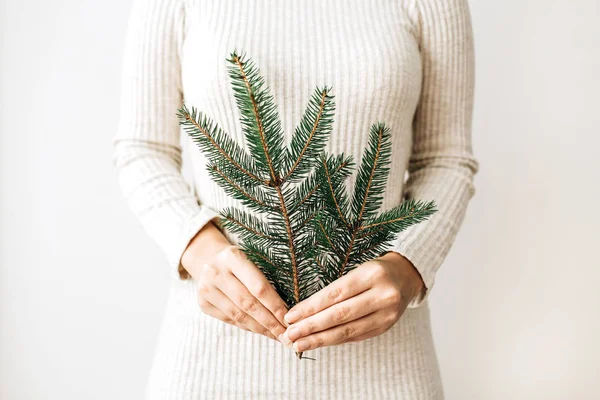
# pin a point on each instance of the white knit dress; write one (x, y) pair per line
(408, 63)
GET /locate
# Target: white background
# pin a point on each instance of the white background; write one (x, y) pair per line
(516, 304)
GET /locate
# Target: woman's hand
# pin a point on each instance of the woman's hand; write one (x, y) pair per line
(364, 303)
(231, 288)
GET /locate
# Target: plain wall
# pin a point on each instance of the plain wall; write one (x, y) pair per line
(82, 289)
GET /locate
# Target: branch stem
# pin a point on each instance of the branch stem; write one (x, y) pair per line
(310, 137)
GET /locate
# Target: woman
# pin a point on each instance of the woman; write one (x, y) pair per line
(226, 333)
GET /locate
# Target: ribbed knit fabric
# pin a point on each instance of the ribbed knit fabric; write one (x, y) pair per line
(408, 63)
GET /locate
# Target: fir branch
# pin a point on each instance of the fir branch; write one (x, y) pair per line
(251, 196)
(309, 187)
(216, 143)
(312, 232)
(368, 248)
(260, 121)
(263, 132)
(304, 222)
(373, 172)
(367, 188)
(308, 201)
(311, 134)
(264, 258)
(348, 252)
(310, 279)
(248, 226)
(334, 193)
(290, 235)
(399, 218)
(362, 240)
(273, 267)
(363, 235)
(319, 264)
(326, 235)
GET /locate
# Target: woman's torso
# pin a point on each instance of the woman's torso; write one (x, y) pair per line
(368, 53)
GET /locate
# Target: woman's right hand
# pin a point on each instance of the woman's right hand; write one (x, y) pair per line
(232, 288)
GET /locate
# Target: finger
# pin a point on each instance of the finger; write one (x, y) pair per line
(250, 305)
(258, 285)
(209, 309)
(348, 310)
(340, 333)
(364, 336)
(341, 289)
(216, 299)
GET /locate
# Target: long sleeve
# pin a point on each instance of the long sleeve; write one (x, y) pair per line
(147, 150)
(442, 165)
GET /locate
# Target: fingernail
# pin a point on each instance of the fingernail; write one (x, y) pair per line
(293, 333)
(298, 346)
(291, 316)
(284, 340)
(281, 338)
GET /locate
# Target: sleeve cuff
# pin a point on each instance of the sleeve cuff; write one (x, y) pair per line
(418, 257)
(191, 227)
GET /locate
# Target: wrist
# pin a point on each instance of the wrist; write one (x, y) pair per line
(204, 245)
(407, 271)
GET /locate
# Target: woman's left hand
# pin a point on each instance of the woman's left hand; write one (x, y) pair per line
(365, 302)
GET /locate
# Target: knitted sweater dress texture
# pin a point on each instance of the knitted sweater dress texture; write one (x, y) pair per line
(408, 63)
